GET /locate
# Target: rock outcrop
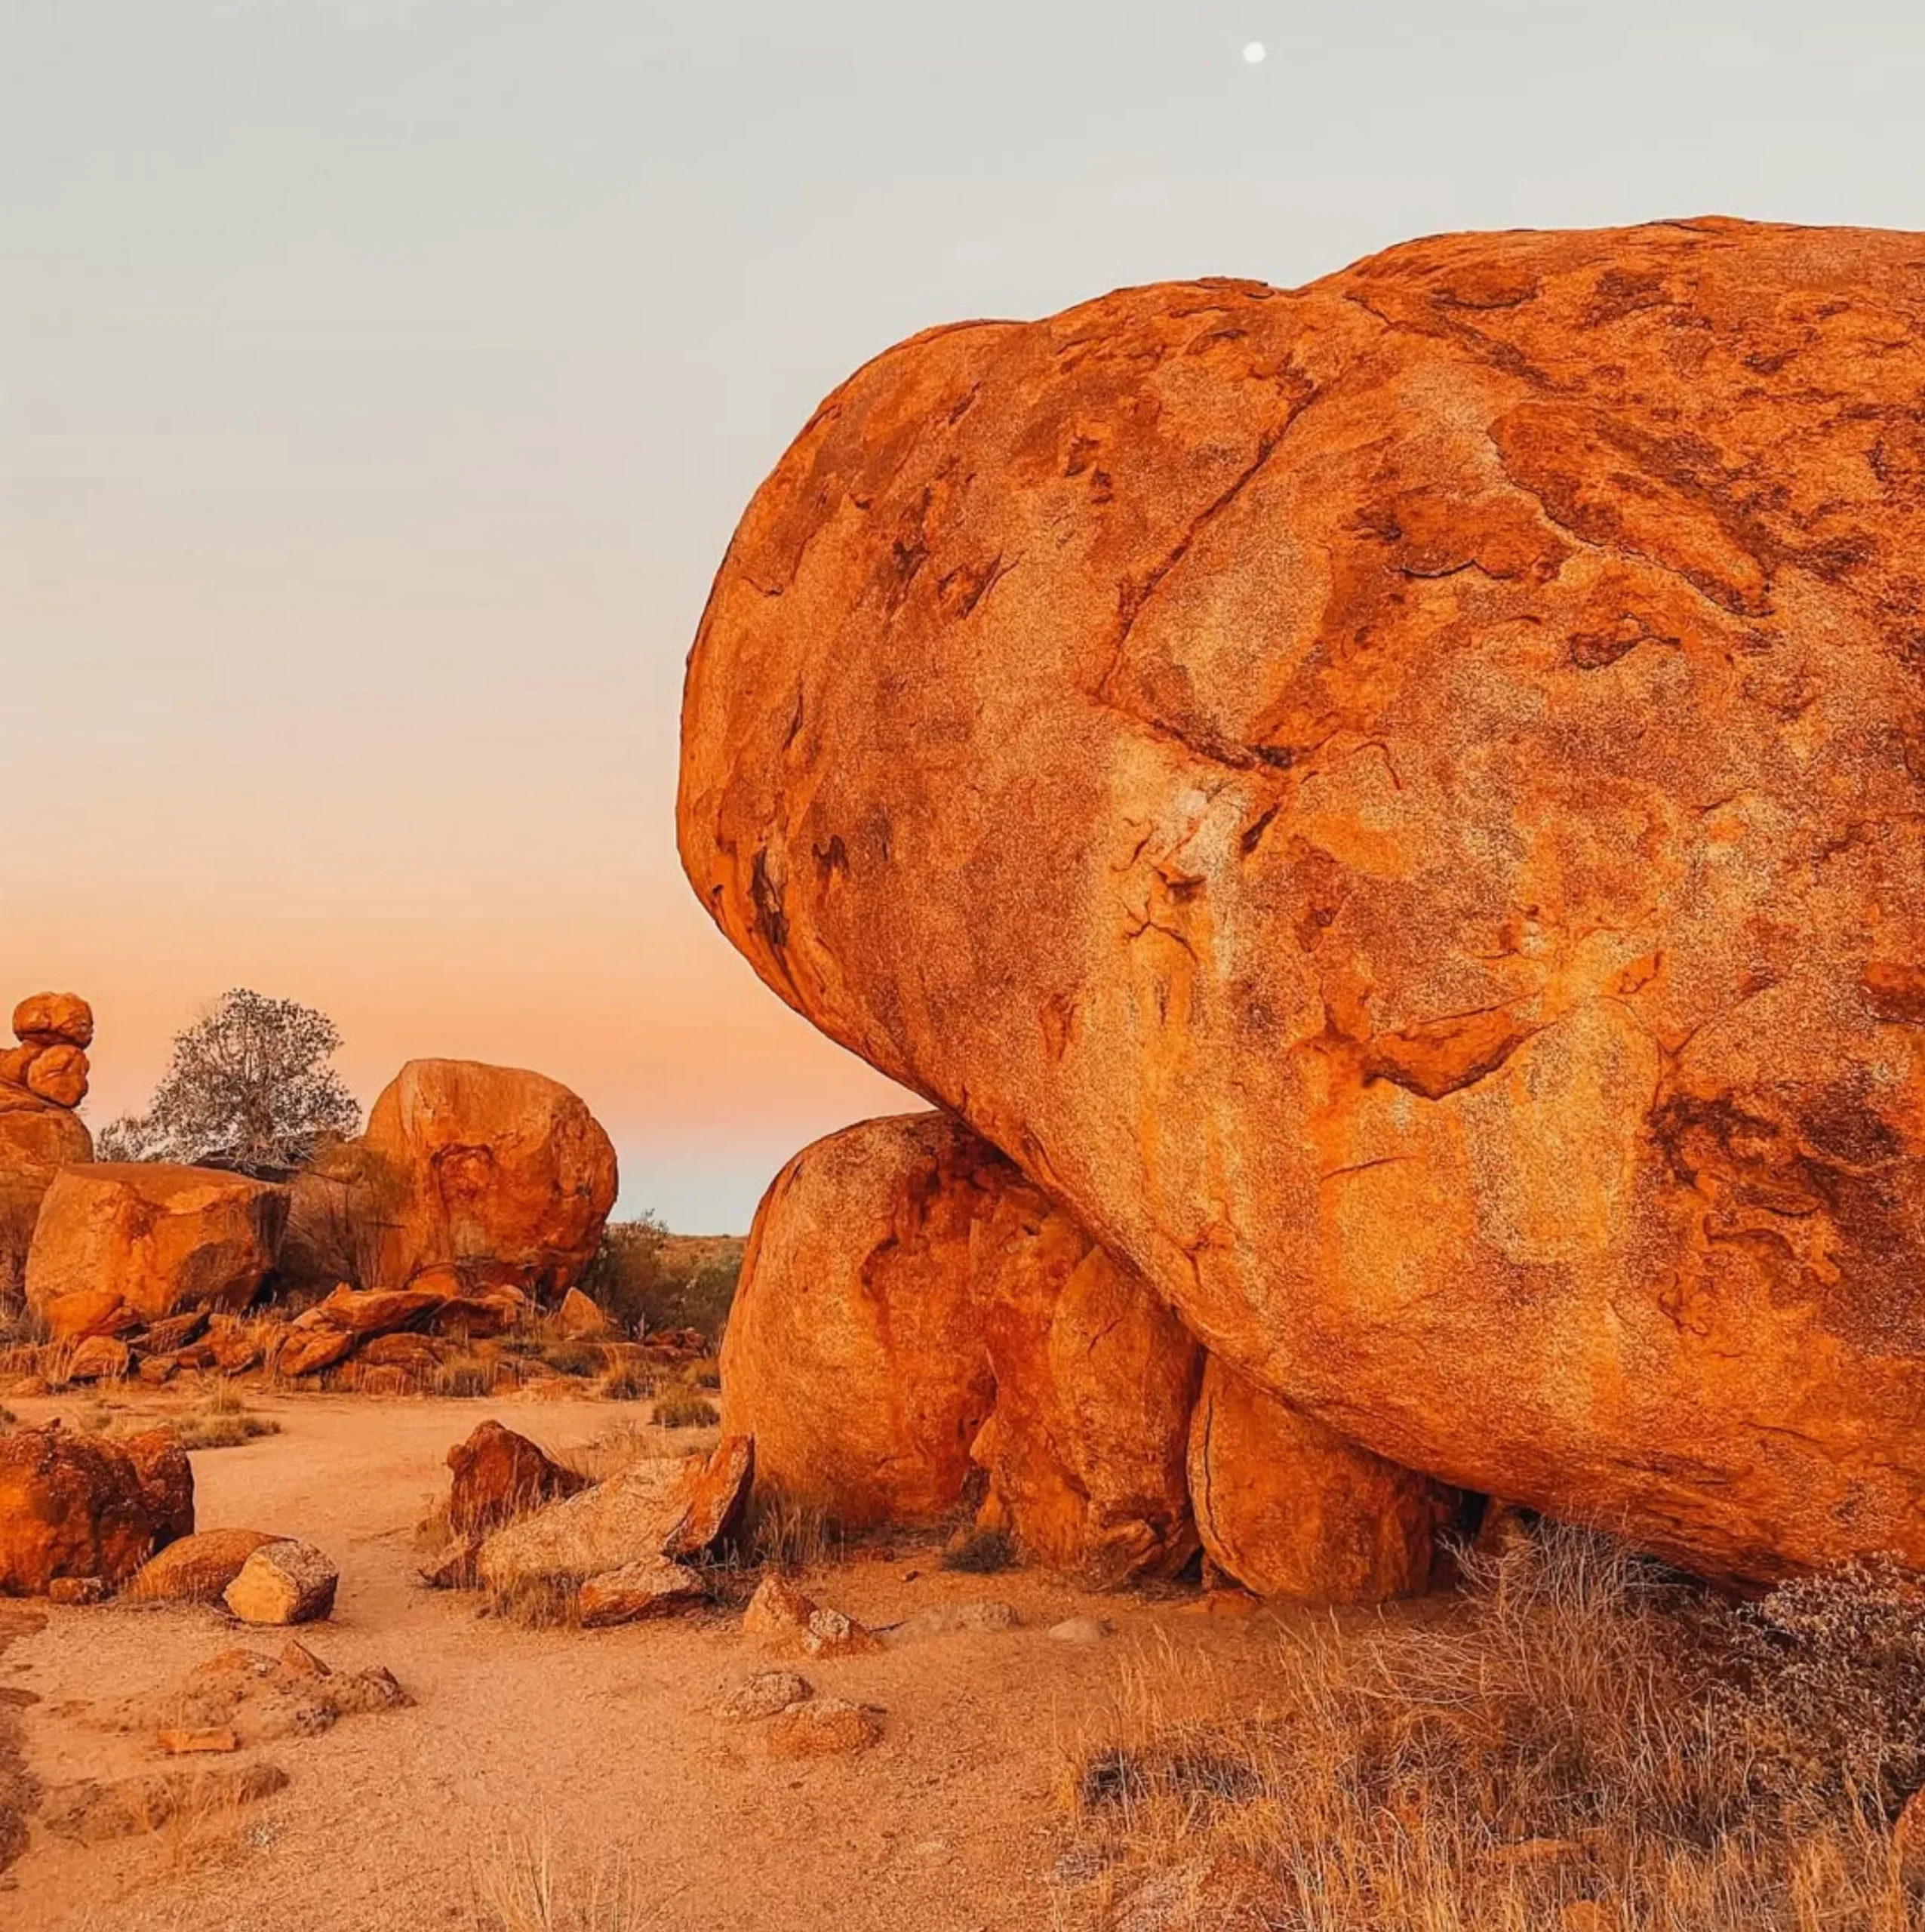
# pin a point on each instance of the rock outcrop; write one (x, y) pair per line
(42, 1080)
(162, 1237)
(911, 1307)
(1397, 802)
(502, 1175)
(77, 1507)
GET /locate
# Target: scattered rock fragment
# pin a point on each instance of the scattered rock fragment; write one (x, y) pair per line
(283, 1582)
(99, 1358)
(197, 1568)
(823, 1726)
(777, 1609)
(578, 1319)
(950, 1619)
(78, 1592)
(260, 1699)
(833, 1633)
(92, 1812)
(1080, 1630)
(652, 1587)
(762, 1693)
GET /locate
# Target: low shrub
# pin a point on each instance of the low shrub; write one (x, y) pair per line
(682, 1408)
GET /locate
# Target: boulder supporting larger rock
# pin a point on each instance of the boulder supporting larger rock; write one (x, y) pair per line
(1398, 802)
(1290, 1509)
(163, 1237)
(912, 1306)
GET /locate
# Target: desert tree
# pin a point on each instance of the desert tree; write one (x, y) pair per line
(248, 1087)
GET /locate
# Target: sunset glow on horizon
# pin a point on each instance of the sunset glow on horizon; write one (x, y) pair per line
(379, 386)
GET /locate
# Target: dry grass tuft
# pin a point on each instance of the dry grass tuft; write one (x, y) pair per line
(220, 1420)
(518, 1888)
(980, 1553)
(1581, 1742)
(682, 1408)
(789, 1535)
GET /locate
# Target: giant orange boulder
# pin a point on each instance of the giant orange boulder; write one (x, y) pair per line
(910, 1308)
(161, 1237)
(1398, 802)
(42, 1079)
(500, 1173)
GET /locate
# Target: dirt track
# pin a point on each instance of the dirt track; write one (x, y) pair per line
(599, 1744)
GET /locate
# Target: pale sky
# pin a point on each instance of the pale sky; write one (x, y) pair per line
(380, 381)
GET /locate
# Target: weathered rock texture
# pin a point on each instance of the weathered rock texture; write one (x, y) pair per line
(75, 1506)
(912, 1306)
(41, 1081)
(1289, 1509)
(162, 1237)
(503, 1174)
(1398, 801)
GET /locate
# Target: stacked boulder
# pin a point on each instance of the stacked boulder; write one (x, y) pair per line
(1397, 803)
(42, 1080)
(918, 1325)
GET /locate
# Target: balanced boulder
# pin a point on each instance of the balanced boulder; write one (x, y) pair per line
(854, 1356)
(1398, 802)
(163, 1237)
(41, 1081)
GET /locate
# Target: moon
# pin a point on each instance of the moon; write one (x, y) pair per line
(1253, 53)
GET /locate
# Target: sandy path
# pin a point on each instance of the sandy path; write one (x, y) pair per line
(601, 1742)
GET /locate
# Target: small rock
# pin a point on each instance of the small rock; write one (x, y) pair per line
(578, 1319)
(777, 1610)
(831, 1633)
(91, 1813)
(1080, 1630)
(283, 1582)
(764, 1693)
(498, 1475)
(197, 1569)
(1223, 1603)
(951, 1620)
(185, 1744)
(78, 1592)
(99, 1358)
(652, 1587)
(823, 1726)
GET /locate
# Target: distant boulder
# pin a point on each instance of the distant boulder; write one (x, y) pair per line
(488, 1177)
(163, 1238)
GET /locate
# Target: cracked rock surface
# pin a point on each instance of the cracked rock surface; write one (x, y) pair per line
(1397, 802)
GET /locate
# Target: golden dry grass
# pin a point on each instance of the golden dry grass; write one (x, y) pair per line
(1566, 1749)
(521, 1886)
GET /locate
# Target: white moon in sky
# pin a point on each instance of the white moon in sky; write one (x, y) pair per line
(1254, 52)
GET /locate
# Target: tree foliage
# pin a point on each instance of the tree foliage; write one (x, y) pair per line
(248, 1087)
